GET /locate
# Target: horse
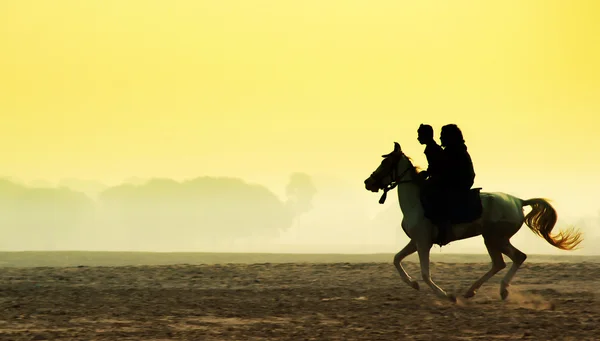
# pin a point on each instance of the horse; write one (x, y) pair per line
(502, 215)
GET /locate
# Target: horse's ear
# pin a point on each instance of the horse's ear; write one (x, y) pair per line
(397, 150)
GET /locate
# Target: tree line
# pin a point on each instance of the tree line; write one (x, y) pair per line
(157, 212)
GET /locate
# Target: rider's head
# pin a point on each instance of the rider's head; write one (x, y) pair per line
(425, 132)
(451, 135)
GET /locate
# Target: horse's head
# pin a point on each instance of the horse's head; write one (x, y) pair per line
(393, 168)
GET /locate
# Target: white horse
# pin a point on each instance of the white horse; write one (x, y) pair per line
(501, 218)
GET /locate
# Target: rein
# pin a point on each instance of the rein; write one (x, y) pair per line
(393, 184)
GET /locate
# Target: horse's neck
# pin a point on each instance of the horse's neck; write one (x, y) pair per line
(409, 198)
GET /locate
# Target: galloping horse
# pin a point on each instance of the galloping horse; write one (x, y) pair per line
(502, 216)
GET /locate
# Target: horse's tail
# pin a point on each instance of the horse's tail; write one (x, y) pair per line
(541, 221)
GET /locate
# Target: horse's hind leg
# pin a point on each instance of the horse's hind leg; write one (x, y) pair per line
(497, 265)
(517, 258)
(409, 249)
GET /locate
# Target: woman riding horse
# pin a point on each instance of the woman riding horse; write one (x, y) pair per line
(453, 177)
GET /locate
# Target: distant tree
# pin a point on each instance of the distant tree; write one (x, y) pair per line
(89, 187)
(201, 211)
(41, 183)
(134, 180)
(300, 192)
(42, 218)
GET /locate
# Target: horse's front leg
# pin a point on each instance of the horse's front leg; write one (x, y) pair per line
(423, 249)
(408, 250)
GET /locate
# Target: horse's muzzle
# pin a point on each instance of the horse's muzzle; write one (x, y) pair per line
(370, 185)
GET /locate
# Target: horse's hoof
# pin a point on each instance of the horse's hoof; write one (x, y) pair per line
(503, 294)
(469, 294)
(414, 285)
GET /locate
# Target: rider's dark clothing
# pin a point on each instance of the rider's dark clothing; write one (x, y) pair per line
(434, 154)
(452, 179)
(457, 172)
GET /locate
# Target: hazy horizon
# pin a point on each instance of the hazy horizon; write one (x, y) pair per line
(164, 215)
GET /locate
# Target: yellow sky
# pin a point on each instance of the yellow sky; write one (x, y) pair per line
(110, 89)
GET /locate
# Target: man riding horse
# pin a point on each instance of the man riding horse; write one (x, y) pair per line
(449, 176)
(433, 152)
(497, 217)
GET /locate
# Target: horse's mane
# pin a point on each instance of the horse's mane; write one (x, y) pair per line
(415, 171)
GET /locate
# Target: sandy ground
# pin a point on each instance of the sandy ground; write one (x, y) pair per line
(295, 301)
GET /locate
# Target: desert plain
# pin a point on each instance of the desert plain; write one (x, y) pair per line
(188, 296)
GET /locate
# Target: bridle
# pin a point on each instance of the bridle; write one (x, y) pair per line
(396, 180)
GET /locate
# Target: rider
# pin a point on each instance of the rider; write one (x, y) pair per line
(458, 173)
(433, 151)
(456, 176)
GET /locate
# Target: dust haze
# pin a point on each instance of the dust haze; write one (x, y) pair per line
(309, 214)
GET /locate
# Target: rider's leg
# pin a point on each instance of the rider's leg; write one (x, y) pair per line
(443, 222)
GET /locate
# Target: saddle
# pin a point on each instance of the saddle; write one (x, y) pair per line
(460, 207)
